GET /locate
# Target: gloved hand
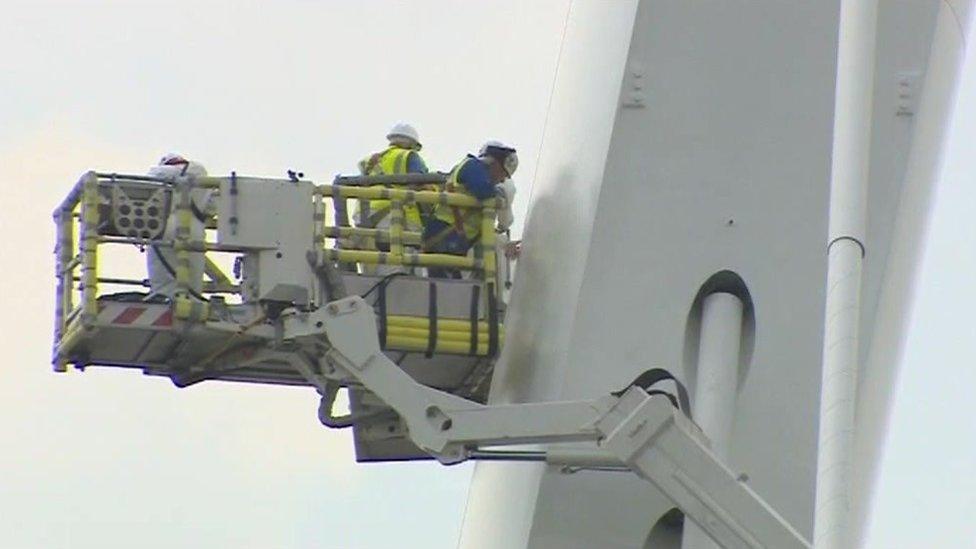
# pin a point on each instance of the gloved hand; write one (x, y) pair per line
(513, 249)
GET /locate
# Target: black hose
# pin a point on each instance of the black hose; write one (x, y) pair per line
(650, 377)
(382, 282)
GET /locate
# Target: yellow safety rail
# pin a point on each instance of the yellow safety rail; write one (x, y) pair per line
(68, 322)
(406, 249)
(184, 306)
(79, 218)
(482, 264)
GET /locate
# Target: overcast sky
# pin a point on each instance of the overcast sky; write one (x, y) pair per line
(113, 459)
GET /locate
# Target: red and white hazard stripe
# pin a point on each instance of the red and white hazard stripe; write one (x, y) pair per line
(136, 315)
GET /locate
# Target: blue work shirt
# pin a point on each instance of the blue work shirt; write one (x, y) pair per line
(474, 176)
(415, 164)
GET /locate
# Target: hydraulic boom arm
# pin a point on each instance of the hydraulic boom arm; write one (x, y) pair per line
(647, 435)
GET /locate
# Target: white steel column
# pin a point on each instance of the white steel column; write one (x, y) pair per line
(853, 106)
(713, 406)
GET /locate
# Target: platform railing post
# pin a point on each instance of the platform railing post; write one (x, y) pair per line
(185, 307)
(89, 248)
(486, 244)
(396, 232)
(64, 253)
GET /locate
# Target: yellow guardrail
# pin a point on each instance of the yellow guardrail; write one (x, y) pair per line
(356, 248)
(78, 221)
(185, 307)
(67, 261)
(79, 217)
(76, 260)
(407, 196)
(89, 248)
(409, 238)
(483, 264)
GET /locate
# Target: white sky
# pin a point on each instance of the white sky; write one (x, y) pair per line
(113, 459)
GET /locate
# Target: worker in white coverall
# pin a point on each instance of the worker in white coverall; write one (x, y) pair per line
(162, 261)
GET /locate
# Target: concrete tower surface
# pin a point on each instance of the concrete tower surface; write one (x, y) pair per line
(688, 152)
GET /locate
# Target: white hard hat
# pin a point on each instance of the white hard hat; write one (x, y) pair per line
(502, 153)
(170, 159)
(403, 130)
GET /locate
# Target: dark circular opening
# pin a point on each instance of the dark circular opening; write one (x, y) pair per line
(667, 531)
(153, 211)
(153, 224)
(124, 209)
(139, 223)
(124, 222)
(139, 211)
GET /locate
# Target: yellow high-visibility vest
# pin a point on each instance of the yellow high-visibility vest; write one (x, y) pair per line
(464, 220)
(392, 161)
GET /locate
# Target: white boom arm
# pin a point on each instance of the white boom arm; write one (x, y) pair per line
(647, 435)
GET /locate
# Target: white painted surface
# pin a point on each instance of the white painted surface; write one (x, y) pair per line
(838, 391)
(718, 369)
(883, 345)
(621, 237)
(714, 112)
(713, 406)
(502, 498)
(851, 155)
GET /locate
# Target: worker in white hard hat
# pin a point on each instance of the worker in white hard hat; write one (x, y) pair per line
(401, 156)
(452, 230)
(162, 261)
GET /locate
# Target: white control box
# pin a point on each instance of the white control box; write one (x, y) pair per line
(274, 218)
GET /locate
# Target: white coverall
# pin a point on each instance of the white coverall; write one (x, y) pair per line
(161, 261)
(505, 218)
(506, 189)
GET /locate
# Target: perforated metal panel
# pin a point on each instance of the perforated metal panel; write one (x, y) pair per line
(136, 210)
